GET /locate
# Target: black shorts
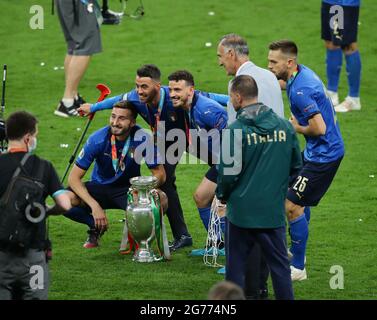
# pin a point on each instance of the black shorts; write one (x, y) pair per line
(312, 182)
(108, 196)
(339, 36)
(212, 174)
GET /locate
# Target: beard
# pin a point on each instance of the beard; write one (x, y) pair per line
(119, 131)
(177, 103)
(149, 98)
(282, 76)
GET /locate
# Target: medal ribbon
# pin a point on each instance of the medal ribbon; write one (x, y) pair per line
(187, 127)
(116, 162)
(157, 115)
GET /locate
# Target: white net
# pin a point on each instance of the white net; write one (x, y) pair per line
(215, 238)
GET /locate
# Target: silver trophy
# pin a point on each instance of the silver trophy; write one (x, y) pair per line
(142, 218)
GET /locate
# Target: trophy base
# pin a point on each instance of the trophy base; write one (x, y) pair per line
(144, 256)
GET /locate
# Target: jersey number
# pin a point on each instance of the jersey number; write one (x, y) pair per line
(300, 184)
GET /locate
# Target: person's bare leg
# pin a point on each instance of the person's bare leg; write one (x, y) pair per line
(75, 67)
(203, 197)
(67, 61)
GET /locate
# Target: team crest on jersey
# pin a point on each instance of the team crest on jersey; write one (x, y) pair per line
(172, 116)
(82, 153)
(131, 152)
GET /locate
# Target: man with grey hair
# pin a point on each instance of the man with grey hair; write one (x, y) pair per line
(233, 55)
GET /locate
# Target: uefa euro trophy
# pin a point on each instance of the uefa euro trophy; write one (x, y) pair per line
(144, 218)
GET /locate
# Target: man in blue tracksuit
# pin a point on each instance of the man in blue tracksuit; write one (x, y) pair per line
(202, 115)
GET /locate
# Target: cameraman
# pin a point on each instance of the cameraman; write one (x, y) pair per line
(24, 271)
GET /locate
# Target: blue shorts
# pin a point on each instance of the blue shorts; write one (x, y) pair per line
(212, 174)
(340, 36)
(312, 182)
(108, 196)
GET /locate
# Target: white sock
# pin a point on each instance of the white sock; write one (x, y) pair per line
(67, 102)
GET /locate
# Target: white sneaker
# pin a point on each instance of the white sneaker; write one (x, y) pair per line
(298, 274)
(349, 104)
(333, 97)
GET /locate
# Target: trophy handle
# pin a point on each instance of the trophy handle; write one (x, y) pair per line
(164, 249)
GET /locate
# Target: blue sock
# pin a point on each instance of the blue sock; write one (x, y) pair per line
(205, 214)
(334, 59)
(81, 215)
(307, 214)
(299, 235)
(353, 67)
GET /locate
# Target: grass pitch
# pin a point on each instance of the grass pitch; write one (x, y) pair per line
(172, 35)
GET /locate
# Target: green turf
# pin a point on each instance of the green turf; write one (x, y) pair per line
(173, 35)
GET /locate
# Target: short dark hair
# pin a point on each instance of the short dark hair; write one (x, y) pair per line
(236, 42)
(245, 86)
(288, 47)
(128, 106)
(20, 123)
(182, 75)
(149, 71)
(226, 290)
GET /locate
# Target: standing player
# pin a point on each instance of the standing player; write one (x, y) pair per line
(313, 116)
(201, 113)
(339, 31)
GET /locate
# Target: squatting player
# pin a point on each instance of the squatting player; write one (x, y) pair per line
(313, 116)
(116, 151)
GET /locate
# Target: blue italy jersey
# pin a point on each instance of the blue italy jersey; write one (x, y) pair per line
(351, 3)
(98, 149)
(207, 114)
(307, 97)
(174, 118)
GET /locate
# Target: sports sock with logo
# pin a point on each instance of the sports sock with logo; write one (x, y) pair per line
(299, 235)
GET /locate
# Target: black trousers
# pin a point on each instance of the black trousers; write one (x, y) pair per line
(256, 274)
(240, 241)
(174, 212)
